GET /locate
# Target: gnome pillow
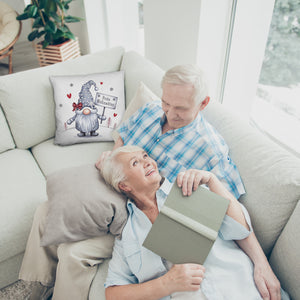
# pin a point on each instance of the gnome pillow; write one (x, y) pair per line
(87, 107)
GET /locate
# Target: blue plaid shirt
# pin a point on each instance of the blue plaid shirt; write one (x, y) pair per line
(195, 146)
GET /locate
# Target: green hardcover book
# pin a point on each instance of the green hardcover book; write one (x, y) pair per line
(187, 227)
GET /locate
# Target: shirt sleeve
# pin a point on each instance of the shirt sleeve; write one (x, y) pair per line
(124, 130)
(233, 230)
(225, 169)
(119, 272)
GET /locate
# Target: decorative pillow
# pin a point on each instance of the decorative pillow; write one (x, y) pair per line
(82, 206)
(87, 107)
(142, 96)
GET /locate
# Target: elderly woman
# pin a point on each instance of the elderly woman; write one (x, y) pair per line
(137, 273)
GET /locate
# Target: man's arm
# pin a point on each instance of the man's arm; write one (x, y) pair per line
(190, 180)
(264, 277)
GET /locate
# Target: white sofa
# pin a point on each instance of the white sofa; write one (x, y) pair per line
(27, 154)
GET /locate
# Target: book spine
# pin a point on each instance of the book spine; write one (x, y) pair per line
(189, 223)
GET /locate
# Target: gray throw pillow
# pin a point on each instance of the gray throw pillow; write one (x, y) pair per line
(82, 206)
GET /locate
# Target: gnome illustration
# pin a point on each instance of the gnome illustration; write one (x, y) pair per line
(86, 113)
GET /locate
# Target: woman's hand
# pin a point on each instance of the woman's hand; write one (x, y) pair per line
(189, 180)
(102, 157)
(183, 277)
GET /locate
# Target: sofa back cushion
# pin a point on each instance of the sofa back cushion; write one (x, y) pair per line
(270, 174)
(6, 141)
(27, 97)
(138, 69)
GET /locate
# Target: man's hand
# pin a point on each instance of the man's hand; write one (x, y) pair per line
(183, 277)
(189, 180)
(266, 282)
(102, 157)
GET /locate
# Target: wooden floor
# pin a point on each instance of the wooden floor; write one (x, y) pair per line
(23, 58)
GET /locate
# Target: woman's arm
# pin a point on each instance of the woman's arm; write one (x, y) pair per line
(184, 277)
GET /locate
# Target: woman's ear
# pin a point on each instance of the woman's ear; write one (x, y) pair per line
(124, 187)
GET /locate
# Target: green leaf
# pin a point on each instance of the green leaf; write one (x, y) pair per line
(56, 17)
(70, 35)
(48, 37)
(45, 44)
(71, 19)
(64, 28)
(33, 35)
(50, 6)
(38, 23)
(59, 4)
(42, 4)
(51, 27)
(23, 16)
(41, 33)
(32, 11)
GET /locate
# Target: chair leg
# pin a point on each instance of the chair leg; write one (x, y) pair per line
(10, 63)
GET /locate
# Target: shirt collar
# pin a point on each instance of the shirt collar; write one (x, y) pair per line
(161, 195)
(182, 129)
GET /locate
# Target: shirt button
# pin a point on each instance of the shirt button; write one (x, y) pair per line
(157, 140)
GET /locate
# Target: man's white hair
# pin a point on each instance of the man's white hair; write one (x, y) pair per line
(188, 74)
(112, 170)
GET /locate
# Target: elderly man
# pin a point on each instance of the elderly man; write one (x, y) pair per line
(176, 135)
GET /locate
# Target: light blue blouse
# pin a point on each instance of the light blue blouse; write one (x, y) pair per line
(229, 271)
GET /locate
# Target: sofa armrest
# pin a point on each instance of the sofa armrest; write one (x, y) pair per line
(285, 255)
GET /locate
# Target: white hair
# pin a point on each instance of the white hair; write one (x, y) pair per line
(188, 74)
(112, 170)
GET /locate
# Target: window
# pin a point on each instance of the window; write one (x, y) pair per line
(276, 108)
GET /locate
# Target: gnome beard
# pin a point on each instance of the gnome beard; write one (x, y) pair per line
(87, 121)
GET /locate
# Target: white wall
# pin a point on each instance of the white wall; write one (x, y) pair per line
(96, 31)
(123, 23)
(171, 31)
(191, 31)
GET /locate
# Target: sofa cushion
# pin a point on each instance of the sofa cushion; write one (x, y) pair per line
(27, 97)
(142, 96)
(87, 107)
(285, 255)
(270, 174)
(6, 141)
(138, 69)
(52, 158)
(82, 206)
(23, 187)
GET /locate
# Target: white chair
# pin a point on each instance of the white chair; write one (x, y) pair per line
(10, 29)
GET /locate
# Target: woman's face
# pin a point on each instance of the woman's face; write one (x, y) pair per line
(140, 170)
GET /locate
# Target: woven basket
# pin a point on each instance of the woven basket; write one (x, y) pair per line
(57, 53)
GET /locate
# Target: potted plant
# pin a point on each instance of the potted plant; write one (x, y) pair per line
(49, 25)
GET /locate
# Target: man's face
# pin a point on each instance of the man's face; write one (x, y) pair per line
(179, 105)
(140, 170)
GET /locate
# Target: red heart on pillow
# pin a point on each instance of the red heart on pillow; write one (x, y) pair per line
(69, 95)
(115, 114)
(101, 82)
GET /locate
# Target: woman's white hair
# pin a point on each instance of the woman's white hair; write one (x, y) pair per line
(112, 170)
(188, 74)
